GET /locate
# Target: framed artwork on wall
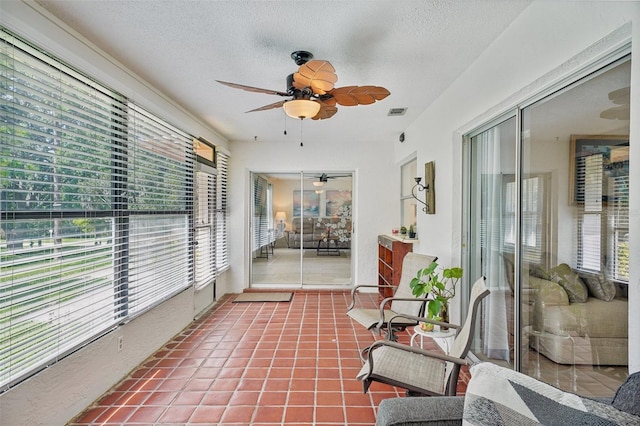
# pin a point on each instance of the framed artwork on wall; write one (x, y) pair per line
(594, 160)
(306, 203)
(338, 203)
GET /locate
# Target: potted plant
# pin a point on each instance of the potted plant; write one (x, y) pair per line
(403, 230)
(441, 287)
(412, 232)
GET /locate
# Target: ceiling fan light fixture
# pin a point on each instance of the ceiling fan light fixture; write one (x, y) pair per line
(301, 108)
(318, 183)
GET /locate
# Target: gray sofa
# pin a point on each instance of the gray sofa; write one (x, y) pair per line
(450, 410)
(309, 231)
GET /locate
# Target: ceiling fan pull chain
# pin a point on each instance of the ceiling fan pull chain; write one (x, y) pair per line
(285, 124)
(301, 132)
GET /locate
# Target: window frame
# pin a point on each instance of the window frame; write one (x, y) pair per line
(147, 184)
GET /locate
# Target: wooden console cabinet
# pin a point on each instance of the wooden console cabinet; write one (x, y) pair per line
(391, 252)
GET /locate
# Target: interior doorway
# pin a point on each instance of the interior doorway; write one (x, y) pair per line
(301, 229)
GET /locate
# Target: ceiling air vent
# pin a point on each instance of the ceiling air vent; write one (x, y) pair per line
(396, 111)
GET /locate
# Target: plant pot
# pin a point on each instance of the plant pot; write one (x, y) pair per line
(444, 314)
(412, 234)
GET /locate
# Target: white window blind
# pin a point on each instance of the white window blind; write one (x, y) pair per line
(159, 260)
(96, 204)
(58, 137)
(619, 227)
(260, 220)
(222, 213)
(205, 261)
(602, 186)
(589, 190)
(532, 217)
(160, 201)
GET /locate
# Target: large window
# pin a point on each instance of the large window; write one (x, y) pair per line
(548, 225)
(205, 234)
(96, 205)
(222, 213)
(602, 199)
(533, 213)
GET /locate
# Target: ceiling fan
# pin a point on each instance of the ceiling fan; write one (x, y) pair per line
(621, 97)
(324, 178)
(312, 91)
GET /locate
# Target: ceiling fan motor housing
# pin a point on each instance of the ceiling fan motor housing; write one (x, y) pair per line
(301, 57)
(305, 93)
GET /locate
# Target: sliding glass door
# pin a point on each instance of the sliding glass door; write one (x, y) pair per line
(548, 225)
(327, 227)
(301, 229)
(492, 235)
(574, 250)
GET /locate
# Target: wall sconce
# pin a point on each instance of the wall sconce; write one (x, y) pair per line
(420, 188)
(428, 188)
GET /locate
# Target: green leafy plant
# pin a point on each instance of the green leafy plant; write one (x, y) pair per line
(403, 230)
(441, 287)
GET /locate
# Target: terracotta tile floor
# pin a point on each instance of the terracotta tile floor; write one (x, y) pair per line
(255, 363)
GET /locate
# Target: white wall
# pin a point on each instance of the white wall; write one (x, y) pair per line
(376, 182)
(545, 44)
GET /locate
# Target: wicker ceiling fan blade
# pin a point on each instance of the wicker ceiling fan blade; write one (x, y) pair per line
(621, 96)
(327, 101)
(378, 92)
(617, 113)
(343, 96)
(326, 111)
(253, 89)
(319, 75)
(359, 95)
(270, 106)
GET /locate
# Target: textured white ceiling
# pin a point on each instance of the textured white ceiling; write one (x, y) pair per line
(414, 48)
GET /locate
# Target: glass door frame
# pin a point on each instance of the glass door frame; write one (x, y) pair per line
(304, 183)
(467, 255)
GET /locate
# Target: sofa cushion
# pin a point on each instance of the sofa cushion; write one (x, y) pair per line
(599, 286)
(571, 282)
(545, 295)
(538, 271)
(498, 395)
(421, 411)
(548, 292)
(627, 396)
(595, 318)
